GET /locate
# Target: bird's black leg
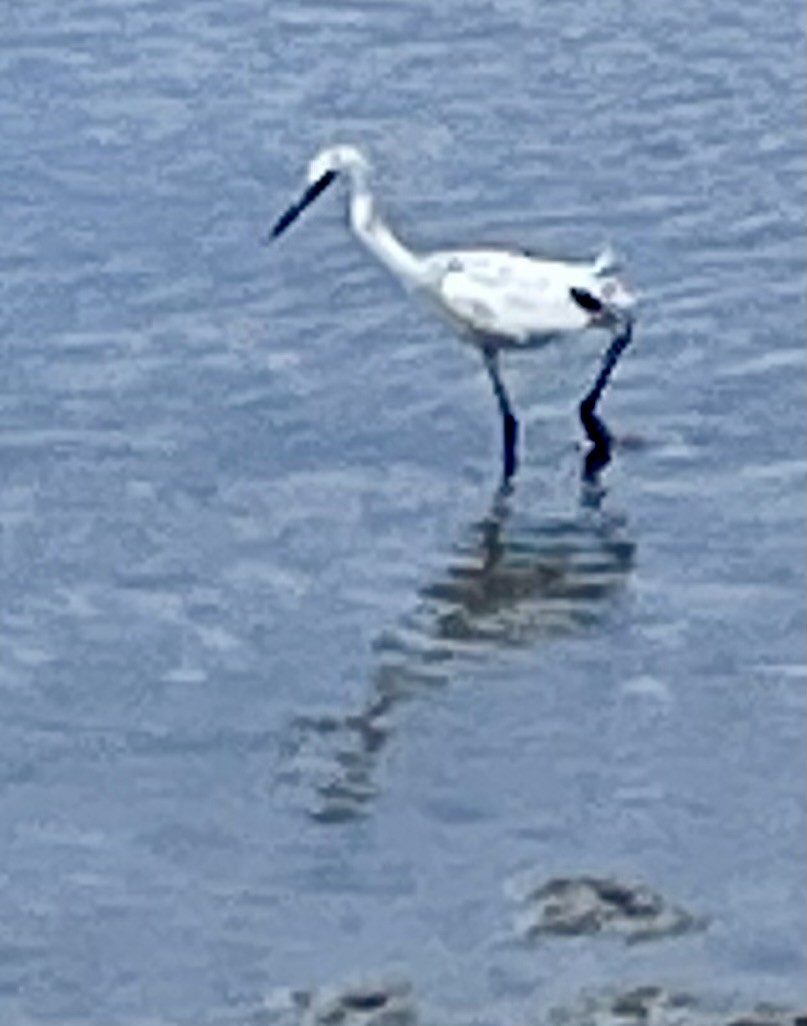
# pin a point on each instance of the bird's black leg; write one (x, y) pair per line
(599, 455)
(509, 422)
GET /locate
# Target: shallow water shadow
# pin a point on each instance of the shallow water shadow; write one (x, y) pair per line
(513, 581)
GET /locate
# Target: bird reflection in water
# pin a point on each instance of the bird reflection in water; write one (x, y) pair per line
(512, 582)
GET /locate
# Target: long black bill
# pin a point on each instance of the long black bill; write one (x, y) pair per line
(296, 209)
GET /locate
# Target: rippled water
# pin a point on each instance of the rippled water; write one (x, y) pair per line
(289, 693)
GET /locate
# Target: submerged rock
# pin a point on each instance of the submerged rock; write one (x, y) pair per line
(648, 1005)
(390, 1002)
(370, 1003)
(654, 1005)
(589, 905)
(366, 1002)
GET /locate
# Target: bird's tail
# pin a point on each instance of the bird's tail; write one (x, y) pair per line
(606, 261)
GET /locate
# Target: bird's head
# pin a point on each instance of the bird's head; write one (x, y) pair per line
(323, 169)
(337, 160)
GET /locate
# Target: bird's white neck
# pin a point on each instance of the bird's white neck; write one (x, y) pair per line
(368, 224)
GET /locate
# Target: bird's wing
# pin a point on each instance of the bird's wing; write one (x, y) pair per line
(510, 296)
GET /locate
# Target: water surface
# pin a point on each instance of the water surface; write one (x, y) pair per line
(289, 693)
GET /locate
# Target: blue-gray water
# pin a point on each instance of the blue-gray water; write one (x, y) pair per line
(287, 696)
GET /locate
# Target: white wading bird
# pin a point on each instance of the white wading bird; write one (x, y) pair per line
(496, 299)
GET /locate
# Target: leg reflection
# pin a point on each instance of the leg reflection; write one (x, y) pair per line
(512, 580)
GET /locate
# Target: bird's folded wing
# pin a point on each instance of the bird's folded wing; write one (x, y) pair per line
(517, 307)
(473, 302)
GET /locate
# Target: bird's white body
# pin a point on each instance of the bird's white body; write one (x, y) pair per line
(510, 300)
(496, 298)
